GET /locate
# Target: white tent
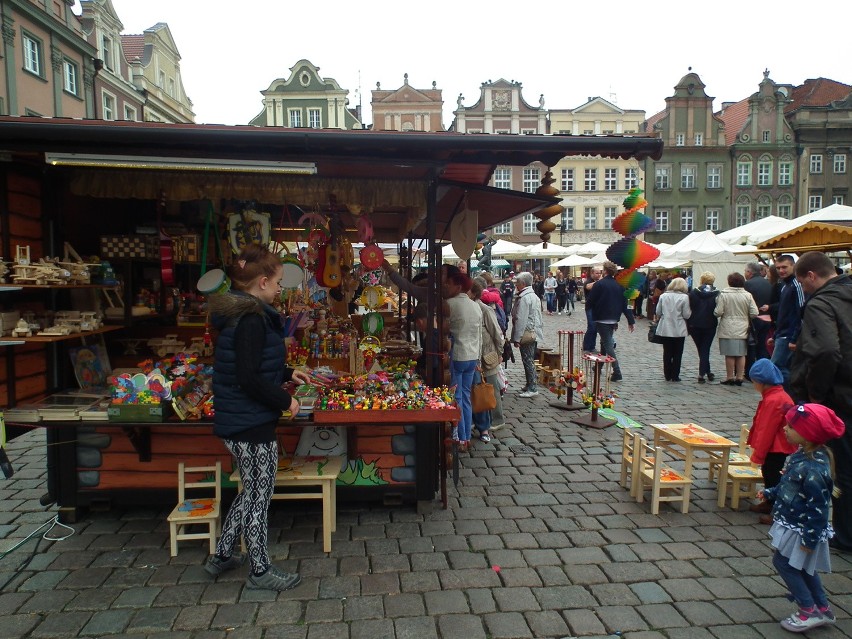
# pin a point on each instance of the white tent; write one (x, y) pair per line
(573, 260)
(503, 248)
(831, 213)
(448, 254)
(743, 234)
(591, 248)
(706, 252)
(537, 251)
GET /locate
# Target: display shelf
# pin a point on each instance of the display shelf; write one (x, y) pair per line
(4, 288)
(42, 339)
(59, 287)
(11, 342)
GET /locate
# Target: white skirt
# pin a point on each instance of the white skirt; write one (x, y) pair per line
(789, 544)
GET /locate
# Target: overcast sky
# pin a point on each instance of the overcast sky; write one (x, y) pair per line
(631, 53)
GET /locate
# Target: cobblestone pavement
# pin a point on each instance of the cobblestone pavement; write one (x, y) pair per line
(536, 543)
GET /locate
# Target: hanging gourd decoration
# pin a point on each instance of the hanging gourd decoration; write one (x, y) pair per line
(372, 297)
(369, 345)
(630, 252)
(371, 257)
(546, 225)
(373, 324)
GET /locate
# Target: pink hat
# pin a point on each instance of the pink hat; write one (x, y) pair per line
(815, 422)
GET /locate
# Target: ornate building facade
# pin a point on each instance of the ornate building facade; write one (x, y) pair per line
(407, 108)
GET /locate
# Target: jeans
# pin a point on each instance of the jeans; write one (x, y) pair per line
(806, 589)
(561, 302)
(528, 359)
(497, 411)
(672, 356)
(703, 338)
(781, 357)
(591, 335)
(507, 303)
(461, 375)
(482, 420)
(572, 297)
(608, 343)
(550, 298)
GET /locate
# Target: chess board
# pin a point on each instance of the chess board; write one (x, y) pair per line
(123, 246)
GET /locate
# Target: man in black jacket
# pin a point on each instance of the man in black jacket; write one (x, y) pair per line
(761, 290)
(607, 303)
(821, 371)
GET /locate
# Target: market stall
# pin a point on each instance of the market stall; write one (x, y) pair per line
(208, 185)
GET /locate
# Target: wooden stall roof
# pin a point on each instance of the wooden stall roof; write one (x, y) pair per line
(384, 172)
(812, 236)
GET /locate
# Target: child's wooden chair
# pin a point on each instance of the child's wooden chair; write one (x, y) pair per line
(629, 444)
(665, 483)
(199, 502)
(743, 481)
(739, 457)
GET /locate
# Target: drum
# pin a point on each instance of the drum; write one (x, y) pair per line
(293, 272)
(213, 282)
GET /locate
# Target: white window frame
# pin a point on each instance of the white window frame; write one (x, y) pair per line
(161, 80)
(567, 180)
(503, 177)
(744, 172)
(590, 179)
(108, 110)
(680, 139)
(764, 173)
(530, 222)
(631, 179)
(687, 220)
(70, 77)
(687, 177)
(663, 177)
(567, 219)
(839, 163)
(699, 139)
(610, 213)
(785, 173)
(590, 218)
(838, 199)
(33, 54)
(314, 118)
(785, 206)
(130, 113)
(816, 163)
(661, 220)
(502, 229)
(610, 179)
(711, 222)
(714, 176)
(743, 214)
(531, 179)
(762, 210)
(108, 52)
(528, 131)
(294, 118)
(171, 88)
(814, 203)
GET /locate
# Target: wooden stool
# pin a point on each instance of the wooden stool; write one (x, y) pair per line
(742, 480)
(202, 508)
(307, 472)
(666, 484)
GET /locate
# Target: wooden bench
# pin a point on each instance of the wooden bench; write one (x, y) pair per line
(304, 473)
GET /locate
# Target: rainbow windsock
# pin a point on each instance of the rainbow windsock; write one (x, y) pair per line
(629, 252)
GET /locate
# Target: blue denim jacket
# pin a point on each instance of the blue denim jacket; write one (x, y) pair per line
(803, 496)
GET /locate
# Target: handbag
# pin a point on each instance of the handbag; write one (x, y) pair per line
(482, 397)
(491, 360)
(527, 338)
(652, 334)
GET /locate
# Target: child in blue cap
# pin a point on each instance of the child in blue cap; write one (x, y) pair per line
(766, 437)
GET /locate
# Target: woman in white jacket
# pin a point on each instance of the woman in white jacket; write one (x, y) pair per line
(734, 307)
(672, 312)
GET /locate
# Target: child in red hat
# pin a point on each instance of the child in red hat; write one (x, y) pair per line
(800, 531)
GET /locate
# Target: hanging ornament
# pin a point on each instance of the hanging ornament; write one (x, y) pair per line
(630, 252)
(546, 226)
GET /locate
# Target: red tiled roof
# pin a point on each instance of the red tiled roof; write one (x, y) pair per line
(816, 93)
(734, 117)
(650, 122)
(133, 45)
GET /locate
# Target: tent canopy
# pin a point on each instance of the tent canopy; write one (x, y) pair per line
(744, 234)
(591, 248)
(552, 250)
(696, 245)
(811, 236)
(574, 260)
(504, 248)
(832, 214)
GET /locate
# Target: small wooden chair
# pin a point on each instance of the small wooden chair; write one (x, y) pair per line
(739, 457)
(743, 481)
(199, 502)
(629, 443)
(665, 483)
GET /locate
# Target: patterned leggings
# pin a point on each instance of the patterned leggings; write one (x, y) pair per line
(249, 512)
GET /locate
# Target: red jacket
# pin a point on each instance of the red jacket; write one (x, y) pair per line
(767, 427)
(492, 296)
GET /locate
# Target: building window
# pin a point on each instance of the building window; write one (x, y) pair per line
(527, 131)
(687, 220)
(714, 177)
(712, 219)
(610, 179)
(814, 203)
(785, 206)
(610, 213)
(687, 176)
(744, 173)
(295, 118)
(474, 131)
(503, 178)
(107, 106)
(763, 210)
(816, 163)
(764, 173)
(785, 173)
(743, 214)
(503, 229)
(70, 75)
(661, 219)
(568, 219)
(588, 132)
(530, 222)
(766, 135)
(107, 53)
(32, 54)
(662, 178)
(129, 113)
(840, 163)
(631, 179)
(680, 139)
(591, 182)
(315, 118)
(590, 217)
(699, 139)
(567, 179)
(171, 89)
(839, 199)
(161, 79)
(532, 179)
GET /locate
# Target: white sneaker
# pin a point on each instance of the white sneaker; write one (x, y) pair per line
(559, 312)
(528, 394)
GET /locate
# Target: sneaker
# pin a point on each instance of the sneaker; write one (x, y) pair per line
(803, 620)
(701, 380)
(616, 377)
(485, 437)
(827, 615)
(529, 393)
(215, 566)
(273, 579)
(559, 312)
(455, 433)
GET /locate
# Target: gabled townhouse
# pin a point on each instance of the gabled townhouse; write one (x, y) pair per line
(407, 108)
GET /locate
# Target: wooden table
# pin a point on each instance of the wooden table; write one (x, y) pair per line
(685, 440)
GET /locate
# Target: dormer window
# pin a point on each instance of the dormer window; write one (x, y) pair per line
(107, 52)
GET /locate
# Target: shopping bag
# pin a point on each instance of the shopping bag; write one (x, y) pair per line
(482, 397)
